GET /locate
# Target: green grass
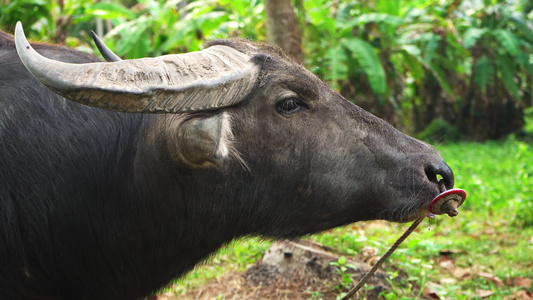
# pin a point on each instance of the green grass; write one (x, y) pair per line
(492, 234)
(237, 256)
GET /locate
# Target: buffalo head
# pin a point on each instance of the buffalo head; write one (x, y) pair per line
(268, 146)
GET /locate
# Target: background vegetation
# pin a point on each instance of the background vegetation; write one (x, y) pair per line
(465, 65)
(444, 70)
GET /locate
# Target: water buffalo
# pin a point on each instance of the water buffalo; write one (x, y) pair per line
(174, 156)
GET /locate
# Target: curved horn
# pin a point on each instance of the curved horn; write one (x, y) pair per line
(216, 77)
(104, 50)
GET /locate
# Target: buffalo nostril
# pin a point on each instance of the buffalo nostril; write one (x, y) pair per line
(441, 174)
(450, 207)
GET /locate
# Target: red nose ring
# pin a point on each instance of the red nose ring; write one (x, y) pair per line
(447, 202)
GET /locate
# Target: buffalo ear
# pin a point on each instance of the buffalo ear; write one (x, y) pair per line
(204, 140)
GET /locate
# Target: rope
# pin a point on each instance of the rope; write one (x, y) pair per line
(382, 259)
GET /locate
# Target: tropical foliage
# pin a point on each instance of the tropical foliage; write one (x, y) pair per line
(425, 61)
(465, 64)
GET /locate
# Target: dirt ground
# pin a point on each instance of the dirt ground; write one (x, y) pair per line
(293, 270)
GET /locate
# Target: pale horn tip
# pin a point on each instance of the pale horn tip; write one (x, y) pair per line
(20, 37)
(22, 44)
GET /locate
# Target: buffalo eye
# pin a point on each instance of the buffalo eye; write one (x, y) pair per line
(290, 105)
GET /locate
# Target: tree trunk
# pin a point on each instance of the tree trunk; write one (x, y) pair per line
(282, 27)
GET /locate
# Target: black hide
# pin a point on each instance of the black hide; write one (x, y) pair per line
(95, 204)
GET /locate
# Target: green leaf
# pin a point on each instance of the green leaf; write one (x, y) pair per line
(522, 27)
(374, 18)
(133, 32)
(528, 64)
(317, 11)
(181, 30)
(240, 6)
(365, 55)
(335, 57)
(508, 41)
(471, 36)
(412, 49)
(414, 65)
(431, 48)
(141, 48)
(342, 260)
(483, 72)
(441, 78)
(389, 7)
(210, 21)
(106, 10)
(507, 75)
